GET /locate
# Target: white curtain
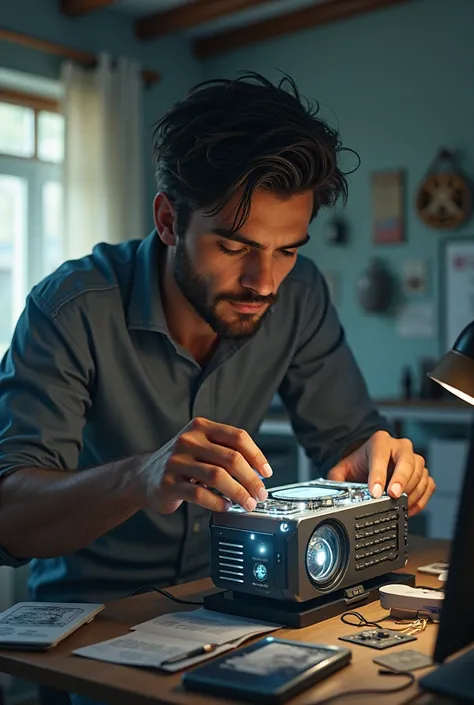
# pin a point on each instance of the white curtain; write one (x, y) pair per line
(103, 164)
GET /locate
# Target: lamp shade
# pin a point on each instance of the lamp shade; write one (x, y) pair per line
(455, 370)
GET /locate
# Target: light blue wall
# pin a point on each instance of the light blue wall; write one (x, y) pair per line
(396, 81)
(105, 30)
(399, 82)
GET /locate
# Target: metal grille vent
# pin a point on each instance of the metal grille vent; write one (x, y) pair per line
(230, 561)
(376, 537)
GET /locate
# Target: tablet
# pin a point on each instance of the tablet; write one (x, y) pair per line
(270, 670)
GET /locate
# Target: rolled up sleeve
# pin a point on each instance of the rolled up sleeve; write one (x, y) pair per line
(44, 397)
(324, 391)
(44, 394)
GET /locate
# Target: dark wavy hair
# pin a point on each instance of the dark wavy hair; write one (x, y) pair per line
(239, 135)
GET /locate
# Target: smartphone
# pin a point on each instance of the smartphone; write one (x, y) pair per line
(270, 670)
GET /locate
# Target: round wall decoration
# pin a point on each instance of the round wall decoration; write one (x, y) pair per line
(443, 200)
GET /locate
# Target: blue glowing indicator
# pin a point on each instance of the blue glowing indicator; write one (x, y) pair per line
(262, 549)
(260, 571)
(252, 536)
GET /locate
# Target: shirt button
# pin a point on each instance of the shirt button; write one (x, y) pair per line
(196, 527)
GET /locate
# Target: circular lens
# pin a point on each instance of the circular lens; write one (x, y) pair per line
(325, 553)
(306, 493)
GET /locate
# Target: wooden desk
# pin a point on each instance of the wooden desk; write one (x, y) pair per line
(132, 686)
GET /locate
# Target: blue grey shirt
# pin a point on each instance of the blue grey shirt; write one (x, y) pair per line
(92, 375)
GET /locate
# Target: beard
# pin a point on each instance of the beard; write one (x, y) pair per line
(194, 289)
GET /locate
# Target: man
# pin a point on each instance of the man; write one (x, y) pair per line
(138, 376)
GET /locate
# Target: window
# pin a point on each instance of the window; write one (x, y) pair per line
(31, 155)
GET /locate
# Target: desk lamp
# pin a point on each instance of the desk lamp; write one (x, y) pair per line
(455, 677)
(455, 371)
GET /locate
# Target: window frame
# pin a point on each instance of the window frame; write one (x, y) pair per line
(37, 104)
(36, 173)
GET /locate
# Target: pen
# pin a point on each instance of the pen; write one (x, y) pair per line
(205, 649)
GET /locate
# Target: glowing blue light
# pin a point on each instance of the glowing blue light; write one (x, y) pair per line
(260, 571)
(262, 549)
(284, 526)
(252, 536)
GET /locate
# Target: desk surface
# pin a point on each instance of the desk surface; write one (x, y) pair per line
(125, 685)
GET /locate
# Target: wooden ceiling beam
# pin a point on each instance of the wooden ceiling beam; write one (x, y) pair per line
(150, 77)
(312, 16)
(190, 15)
(76, 8)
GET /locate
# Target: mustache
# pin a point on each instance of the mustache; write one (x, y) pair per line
(247, 298)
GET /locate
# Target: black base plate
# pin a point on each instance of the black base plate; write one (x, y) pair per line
(300, 614)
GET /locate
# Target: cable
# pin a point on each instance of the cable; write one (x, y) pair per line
(151, 588)
(362, 620)
(411, 626)
(372, 691)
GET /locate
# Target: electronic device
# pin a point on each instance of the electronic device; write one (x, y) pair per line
(455, 678)
(408, 660)
(270, 670)
(308, 552)
(378, 638)
(404, 598)
(308, 539)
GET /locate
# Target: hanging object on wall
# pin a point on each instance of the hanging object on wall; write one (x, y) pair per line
(336, 231)
(375, 288)
(443, 200)
(388, 207)
(415, 276)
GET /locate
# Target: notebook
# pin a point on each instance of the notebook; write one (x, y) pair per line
(42, 625)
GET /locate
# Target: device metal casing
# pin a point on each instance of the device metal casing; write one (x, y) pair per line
(374, 535)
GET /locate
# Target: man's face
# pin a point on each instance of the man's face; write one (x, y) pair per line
(232, 280)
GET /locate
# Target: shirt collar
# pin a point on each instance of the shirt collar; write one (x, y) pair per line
(145, 308)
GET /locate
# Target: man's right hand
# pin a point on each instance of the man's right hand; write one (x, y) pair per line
(204, 455)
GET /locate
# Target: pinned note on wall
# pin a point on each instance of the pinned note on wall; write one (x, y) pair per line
(416, 320)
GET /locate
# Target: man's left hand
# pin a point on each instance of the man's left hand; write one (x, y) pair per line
(388, 463)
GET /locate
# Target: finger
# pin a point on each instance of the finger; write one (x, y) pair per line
(347, 471)
(404, 467)
(422, 502)
(197, 494)
(196, 447)
(379, 455)
(417, 475)
(164, 507)
(417, 493)
(217, 477)
(239, 440)
(339, 473)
